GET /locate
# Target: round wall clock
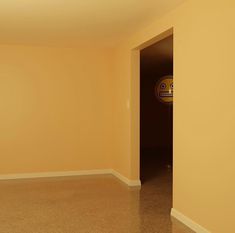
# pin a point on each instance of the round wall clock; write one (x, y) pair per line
(164, 89)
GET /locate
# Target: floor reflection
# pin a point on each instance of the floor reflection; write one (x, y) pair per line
(91, 204)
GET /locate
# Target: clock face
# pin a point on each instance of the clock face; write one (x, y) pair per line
(164, 89)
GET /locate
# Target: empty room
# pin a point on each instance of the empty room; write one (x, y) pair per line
(113, 118)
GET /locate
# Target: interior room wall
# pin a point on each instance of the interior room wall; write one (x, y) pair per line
(56, 112)
(56, 109)
(204, 34)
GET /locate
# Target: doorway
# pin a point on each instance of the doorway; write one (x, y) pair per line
(156, 113)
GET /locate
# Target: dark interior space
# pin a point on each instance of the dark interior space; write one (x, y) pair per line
(156, 117)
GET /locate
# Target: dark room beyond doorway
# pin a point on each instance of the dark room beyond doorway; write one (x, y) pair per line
(156, 116)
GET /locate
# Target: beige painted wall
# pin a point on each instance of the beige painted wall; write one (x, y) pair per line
(204, 126)
(57, 106)
(55, 109)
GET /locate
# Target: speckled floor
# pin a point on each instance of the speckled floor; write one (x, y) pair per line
(91, 204)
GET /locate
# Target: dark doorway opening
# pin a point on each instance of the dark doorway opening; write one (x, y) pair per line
(156, 115)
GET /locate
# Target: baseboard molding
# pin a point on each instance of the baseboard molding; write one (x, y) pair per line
(131, 183)
(54, 174)
(70, 173)
(188, 222)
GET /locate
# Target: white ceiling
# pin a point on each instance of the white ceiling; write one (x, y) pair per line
(74, 21)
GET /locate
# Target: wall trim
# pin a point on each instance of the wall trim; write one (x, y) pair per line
(188, 222)
(71, 173)
(131, 183)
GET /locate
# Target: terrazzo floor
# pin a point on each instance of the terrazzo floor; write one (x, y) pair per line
(89, 204)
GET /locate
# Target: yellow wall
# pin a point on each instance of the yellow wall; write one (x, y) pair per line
(204, 125)
(55, 109)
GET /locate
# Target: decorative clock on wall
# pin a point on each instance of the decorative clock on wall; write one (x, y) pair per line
(164, 89)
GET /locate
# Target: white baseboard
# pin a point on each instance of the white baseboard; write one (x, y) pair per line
(70, 173)
(131, 183)
(188, 222)
(53, 174)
